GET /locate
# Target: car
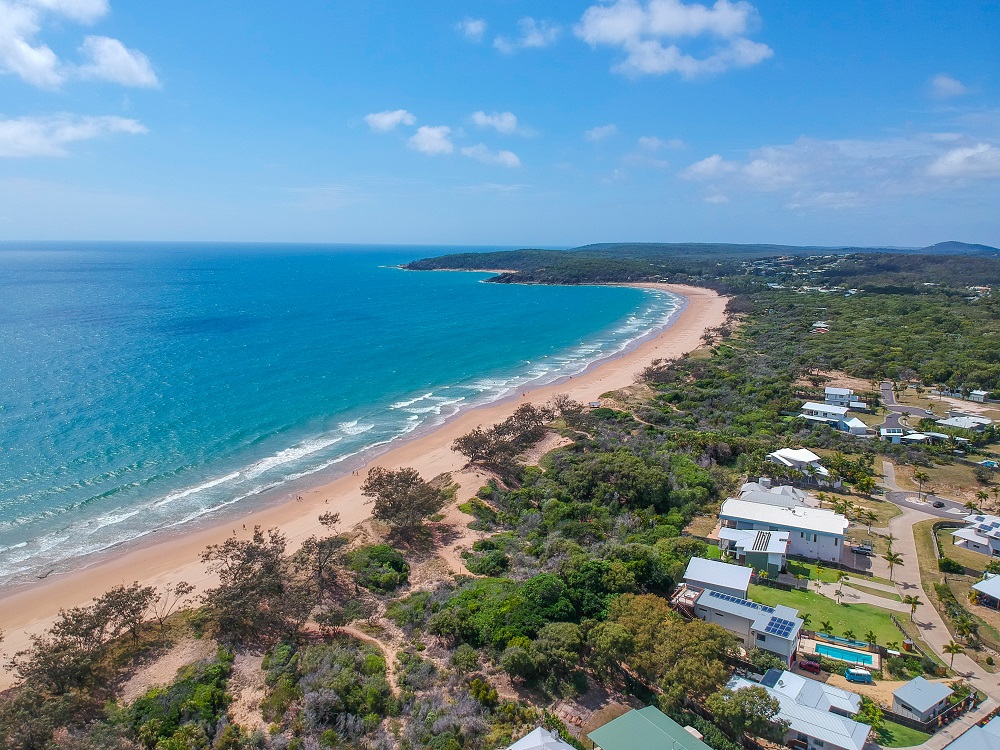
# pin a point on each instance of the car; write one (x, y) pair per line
(937, 504)
(859, 675)
(810, 666)
(864, 549)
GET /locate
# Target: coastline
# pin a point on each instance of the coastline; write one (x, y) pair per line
(30, 608)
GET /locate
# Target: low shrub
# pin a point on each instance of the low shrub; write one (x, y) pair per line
(378, 568)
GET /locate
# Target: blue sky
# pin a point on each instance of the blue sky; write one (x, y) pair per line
(501, 123)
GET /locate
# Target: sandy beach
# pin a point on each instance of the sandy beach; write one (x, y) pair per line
(31, 608)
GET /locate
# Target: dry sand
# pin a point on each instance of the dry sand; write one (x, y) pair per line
(33, 607)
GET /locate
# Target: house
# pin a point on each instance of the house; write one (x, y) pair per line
(804, 462)
(978, 738)
(988, 590)
(718, 576)
(853, 426)
(541, 739)
(890, 434)
(920, 699)
(838, 397)
(810, 713)
(965, 422)
(764, 551)
(815, 533)
(982, 534)
(823, 413)
(979, 396)
(764, 491)
(772, 629)
(646, 729)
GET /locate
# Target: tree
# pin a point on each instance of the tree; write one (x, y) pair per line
(401, 498)
(870, 517)
(952, 648)
(865, 485)
(170, 599)
(841, 577)
(257, 597)
(827, 627)
(849, 634)
(558, 646)
(889, 539)
(982, 496)
(871, 638)
(912, 602)
(894, 559)
(317, 555)
(921, 477)
(870, 714)
(749, 710)
(127, 607)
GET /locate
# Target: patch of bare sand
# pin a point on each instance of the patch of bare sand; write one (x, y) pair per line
(163, 669)
(834, 379)
(248, 690)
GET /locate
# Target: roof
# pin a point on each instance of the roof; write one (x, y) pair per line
(818, 520)
(813, 406)
(808, 692)
(983, 524)
(798, 455)
(750, 540)
(540, 739)
(979, 738)
(971, 535)
(855, 422)
(713, 572)
(963, 423)
(821, 725)
(922, 695)
(990, 586)
(839, 392)
(918, 436)
(980, 393)
(771, 498)
(779, 621)
(890, 430)
(645, 729)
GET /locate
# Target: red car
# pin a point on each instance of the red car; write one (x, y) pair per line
(810, 666)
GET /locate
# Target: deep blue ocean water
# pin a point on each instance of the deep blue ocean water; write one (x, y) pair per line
(144, 387)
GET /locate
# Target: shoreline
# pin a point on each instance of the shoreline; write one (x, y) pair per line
(31, 607)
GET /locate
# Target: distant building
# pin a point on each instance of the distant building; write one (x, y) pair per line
(890, 434)
(838, 396)
(982, 535)
(965, 422)
(815, 533)
(920, 699)
(764, 551)
(816, 713)
(763, 491)
(718, 576)
(646, 729)
(853, 426)
(804, 462)
(541, 739)
(823, 412)
(988, 590)
(979, 396)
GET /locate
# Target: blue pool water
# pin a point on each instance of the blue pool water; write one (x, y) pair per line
(144, 387)
(854, 657)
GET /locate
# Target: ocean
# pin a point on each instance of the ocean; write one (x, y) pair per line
(150, 386)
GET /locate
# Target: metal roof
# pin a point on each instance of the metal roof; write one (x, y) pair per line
(715, 573)
(979, 738)
(541, 739)
(922, 695)
(819, 520)
(645, 729)
(990, 586)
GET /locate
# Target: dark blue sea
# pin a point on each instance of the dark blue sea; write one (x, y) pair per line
(144, 387)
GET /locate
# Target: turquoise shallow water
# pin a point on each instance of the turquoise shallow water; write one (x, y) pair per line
(145, 387)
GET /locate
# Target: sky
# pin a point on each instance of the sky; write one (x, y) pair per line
(501, 123)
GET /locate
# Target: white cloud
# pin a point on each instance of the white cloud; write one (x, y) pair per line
(480, 152)
(708, 167)
(534, 34)
(49, 136)
(601, 132)
(110, 60)
(384, 121)
(652, 143)
(432, 139)
(943, 86)
(640, 31)
(716, 198)
(472, 28)
(980, 160)
(502, 122)
(35, 63)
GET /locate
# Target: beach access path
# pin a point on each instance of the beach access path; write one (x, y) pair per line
(31, 608)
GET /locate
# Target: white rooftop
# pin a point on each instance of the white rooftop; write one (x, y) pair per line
(808, 692)
(990, 586)
(750, 540)
(922, 695)
(855, 422)
(813, 406)
(798, 455)
(979, 738)
(839, 392)
(890, 430)
(964, 423)
(713, 572)
(540, 739)
(819, 520)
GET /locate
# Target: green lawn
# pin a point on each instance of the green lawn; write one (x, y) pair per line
(874, 592)
(857, 617)
(809, 570)
(713, 552)
(896, 735)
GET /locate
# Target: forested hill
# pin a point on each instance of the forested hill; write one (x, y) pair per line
(708, 263)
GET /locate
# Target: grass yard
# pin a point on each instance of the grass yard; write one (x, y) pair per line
(873, 592)
(954, 481)
(713, 552)
(966, 557)
(810, 571)
(702, 525)
(857, 617)
(896, 735)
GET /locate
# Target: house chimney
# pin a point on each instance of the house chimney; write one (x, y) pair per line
(765, 482)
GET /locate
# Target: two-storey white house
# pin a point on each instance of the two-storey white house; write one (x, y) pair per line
(804, 462)
(815, 533)
(982, 534)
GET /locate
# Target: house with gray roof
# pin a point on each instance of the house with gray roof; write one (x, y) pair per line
(920, 699)
(981, 534)
(718, 576)
(986, 737)
(772, 629)
(764, 551)
(541, 739)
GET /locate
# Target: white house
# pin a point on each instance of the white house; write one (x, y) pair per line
(890, 434)
(762, 550)
(979, 396)
(982, 534)
(814, 711)
(803, 461)
(823, 412)
(838, 397)
(763, 491)
(965, 422)
(920, 699)
(718, 576)
(772, 629)
(853, 426)
(541, 739)
(815, 533)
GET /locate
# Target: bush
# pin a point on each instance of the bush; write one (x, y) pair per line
(465, 658)
(491, 563)
(947, 565)
(379, 568)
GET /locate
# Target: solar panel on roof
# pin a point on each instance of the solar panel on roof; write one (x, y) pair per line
(780, 627)
(763, 539)
(741, 602)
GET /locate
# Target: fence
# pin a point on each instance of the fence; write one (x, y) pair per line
(833, 565)
(946, 717)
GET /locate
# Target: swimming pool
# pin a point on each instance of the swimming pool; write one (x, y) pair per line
(843, 654)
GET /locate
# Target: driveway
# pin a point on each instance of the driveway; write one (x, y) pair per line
(896, 410)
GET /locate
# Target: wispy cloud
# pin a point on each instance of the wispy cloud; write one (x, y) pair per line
(943, 86)
(601, 132)
(49, 136)
(432, 139)
(385, 121)
(649, 35)
(980, 160)
(110, 60)
(502, 122)
(472, 28)
(534, 35)
(480, 152)
(652, 143)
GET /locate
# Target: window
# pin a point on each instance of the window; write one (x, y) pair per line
(802, 535)
(835, 541)
(761, 637)
(814, 538)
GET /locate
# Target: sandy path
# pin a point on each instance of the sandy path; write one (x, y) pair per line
(33, 607)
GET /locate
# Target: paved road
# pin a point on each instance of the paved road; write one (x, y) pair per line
(908, 499)
(897, 411)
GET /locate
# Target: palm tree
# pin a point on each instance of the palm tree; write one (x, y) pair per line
(982, 496)
(894, 559)
(996, 496)
(841, 577)
(849, 634)
(971, 507)
(865, 485)
(871, 517)
(871, 637)
(912, 602)
(822, 497)
(889, 539)
(892, 645)
(952, 648)
(827, 627)
(921, 477)
(805, 619)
